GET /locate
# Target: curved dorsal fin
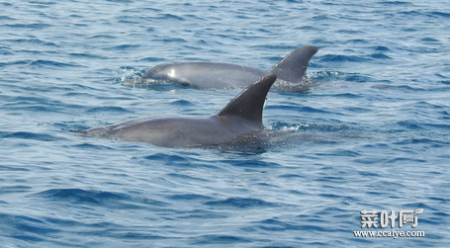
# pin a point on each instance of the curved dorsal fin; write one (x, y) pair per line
(249, 103)
(292, 68)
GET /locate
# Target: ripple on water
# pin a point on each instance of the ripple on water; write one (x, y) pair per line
(243, 203)
(106, 199)
(29, 135)
(107, 109)
(336, 58)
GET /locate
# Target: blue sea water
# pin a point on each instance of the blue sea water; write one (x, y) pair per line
(374, 134)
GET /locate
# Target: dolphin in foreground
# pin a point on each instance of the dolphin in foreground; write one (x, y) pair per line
(241, 119)
(290, 72)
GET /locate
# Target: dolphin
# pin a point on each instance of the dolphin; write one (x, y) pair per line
(238, 120)
(290, 72)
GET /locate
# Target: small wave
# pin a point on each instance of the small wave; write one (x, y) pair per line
(395, 3)
(282, 126)
(285, 86)
(129, 76)
(18, 62)
(12, 168)
(30, 26)
(435, 143)
(342, 58)
(356, 41)
(6, 18)
(107, 109)
(276, 47)
(99, 198)
(136, 80)
(349, 31)
(298, 109)
(31, 42)
(336, 75)
(381, 49)
(380, 56)
(87, 55)
(410, 125)
(402, 160)
(180, 103)
(26, 227)
(166, 157)
(220, 239)
(188, 197)
(428, 39)
(244, 203)
(440, 126)
(28, 135)
(42, 63)
(441, 14)
(14, 189)
(92, 147)
(277, 225)
(169, 159)
(126, 47)
(152, 59)
(186, 177)
(6, 51)
(319, 18)
(255, 164)
(79, 196)
(171, 40)
(102, 37)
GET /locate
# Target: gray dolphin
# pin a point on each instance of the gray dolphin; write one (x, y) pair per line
(239, 119)
(209, 75)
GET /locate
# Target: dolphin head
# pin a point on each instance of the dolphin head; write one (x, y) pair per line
(168, 71)
(161, 71)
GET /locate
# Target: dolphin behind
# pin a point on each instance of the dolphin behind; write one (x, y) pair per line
(240, 118)
(292, 68)
(210, 75)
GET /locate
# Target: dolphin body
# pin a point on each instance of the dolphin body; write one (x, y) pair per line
(209, 75)
(239, 120)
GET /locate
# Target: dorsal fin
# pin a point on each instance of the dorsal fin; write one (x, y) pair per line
(292, 68)
(249, 103)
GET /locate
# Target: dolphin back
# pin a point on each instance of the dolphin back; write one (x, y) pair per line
(249, 103)
(292, 68)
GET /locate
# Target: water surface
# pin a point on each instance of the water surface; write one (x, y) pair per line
(374, 133)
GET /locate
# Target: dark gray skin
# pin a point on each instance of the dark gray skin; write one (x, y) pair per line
(209, 75)
(241, 118)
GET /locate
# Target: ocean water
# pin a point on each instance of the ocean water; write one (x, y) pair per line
(374, 134)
